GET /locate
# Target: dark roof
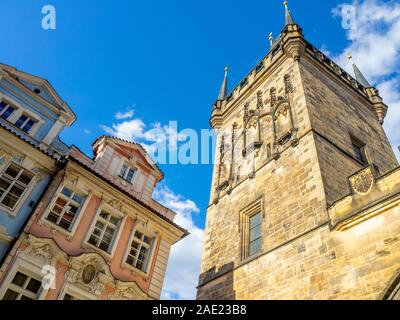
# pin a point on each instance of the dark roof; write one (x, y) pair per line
(98, 175)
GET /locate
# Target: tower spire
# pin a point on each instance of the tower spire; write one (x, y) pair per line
(288, 15)
(223, 91)
(359, 76)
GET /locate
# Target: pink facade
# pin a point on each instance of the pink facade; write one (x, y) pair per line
(98, 214)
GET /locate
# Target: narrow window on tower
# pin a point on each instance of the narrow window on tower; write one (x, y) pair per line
(251, 222)
(359, 151)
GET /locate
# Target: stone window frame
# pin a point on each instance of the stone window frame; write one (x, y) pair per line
(154, 238)
(30, 268)
(256, 207)
(18, 112)
(79, 214)
(363, 148)
(27, 191)
(110, 210)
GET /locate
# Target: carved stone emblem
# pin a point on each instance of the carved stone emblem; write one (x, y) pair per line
(363, 181)
(88, 274)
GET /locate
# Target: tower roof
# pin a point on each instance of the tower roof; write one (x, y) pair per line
(359, 76)
(288, 14)
(223, 91)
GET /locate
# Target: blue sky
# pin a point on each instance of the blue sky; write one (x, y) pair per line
(164, 60)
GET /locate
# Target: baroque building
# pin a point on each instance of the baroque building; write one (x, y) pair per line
(32, 115)
(305, 196)
(74, 227)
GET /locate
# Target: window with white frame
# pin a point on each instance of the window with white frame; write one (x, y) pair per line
(13, 182)
(140, 251)
(25, 123)
(6, 110)
(105, 231)
(66, 208)
(23, 287)
(127, 173)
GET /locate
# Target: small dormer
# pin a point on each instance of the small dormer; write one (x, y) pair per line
(128, 165)
(30, 107)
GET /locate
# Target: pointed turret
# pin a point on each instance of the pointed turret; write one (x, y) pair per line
(359, 76)
(288, 15)
(223, 91)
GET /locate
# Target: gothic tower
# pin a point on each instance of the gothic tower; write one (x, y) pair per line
(306, 188)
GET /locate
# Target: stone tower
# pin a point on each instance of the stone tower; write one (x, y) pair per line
(306, 188)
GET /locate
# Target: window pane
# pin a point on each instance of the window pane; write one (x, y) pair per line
(114, 220)
(12, 171)
(10, 295)
(19, 279)
(33, 286)
(25, 298)
(25, 178)
(255, 233)
(255, 220)
(28, 126)
(130, 175)
(3, 105)
(7, 113)
(4, 184)
(78, 198)
(255, 246)
(21, 121)
(67, 192)
(104, 215)
(123, 170)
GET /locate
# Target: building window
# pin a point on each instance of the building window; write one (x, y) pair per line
(127, 173)
(251, 221)
(66, 208)
(140, 251)
(255, 235)
(260, 67)
(359, 149)
(244, 83)
(23, 287)
(69, 297)
(25, 123)
(105, 231)
(13, 183)
(6, 110)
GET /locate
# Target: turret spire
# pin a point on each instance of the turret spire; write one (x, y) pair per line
(223, 91)
(288, 15)
(359, 76)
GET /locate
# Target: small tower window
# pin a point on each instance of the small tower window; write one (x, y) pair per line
(37, 91)
(359, 150)
(244, 83)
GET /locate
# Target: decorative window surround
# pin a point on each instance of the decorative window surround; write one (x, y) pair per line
(149, 246)
(76, 293)
(247, 224)
(27, 266)
(112, 211)
(127, 173)
(14, 181)
(20, 111)
(78, 215)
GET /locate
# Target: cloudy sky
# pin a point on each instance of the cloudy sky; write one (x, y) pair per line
(128, 68)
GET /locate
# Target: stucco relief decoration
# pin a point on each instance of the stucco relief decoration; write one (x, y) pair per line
(88, 274)
(363, 181)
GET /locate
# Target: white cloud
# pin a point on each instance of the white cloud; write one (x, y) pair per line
(184, 263)
(375, 46)
(87, 131)
(129, 113)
